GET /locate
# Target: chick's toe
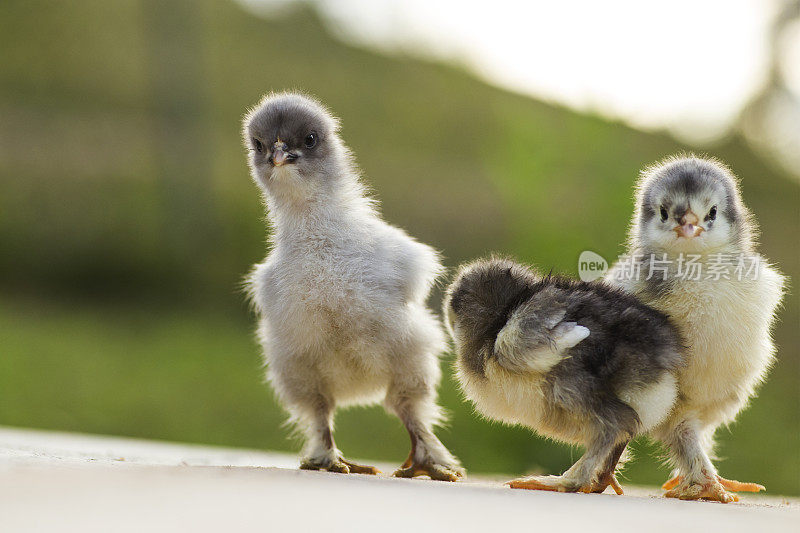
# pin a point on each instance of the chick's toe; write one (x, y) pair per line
(738, 486)
(672, 483)
(551, 483)
(361, 469)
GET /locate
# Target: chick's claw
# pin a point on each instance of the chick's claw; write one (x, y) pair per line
(434, 471)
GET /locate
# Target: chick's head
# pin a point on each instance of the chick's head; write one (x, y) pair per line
(476, 304)
(294, 144)
(690, 205)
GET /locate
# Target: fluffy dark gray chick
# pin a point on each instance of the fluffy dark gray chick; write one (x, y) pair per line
(341, 294)
(580, 362)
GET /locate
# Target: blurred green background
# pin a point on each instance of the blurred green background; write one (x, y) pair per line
(127, 220)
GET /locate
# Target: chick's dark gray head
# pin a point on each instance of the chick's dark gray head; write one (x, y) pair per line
(478, 299)
(291, 138)
(690, 204)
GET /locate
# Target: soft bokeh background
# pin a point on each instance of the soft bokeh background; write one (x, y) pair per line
(127, 217)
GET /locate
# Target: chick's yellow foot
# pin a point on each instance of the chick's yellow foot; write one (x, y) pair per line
(340, 466)
(729, 484)
(710, 490)
(432, 470)
(563, 484)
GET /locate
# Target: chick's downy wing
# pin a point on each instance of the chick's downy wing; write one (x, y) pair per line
(414, 268)
(536, 336)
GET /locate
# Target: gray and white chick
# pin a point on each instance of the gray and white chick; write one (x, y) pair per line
(692, 254)
(341, 295)
(579, 362)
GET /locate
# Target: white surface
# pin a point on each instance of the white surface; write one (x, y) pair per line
(19, 447)
(62, 482)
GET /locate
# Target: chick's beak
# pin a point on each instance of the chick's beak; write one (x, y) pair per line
(281, 154)
(688, 227)
(279, 157)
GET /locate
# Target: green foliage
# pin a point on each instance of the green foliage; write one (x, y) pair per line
(127, 219)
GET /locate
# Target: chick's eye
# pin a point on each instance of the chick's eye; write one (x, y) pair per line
(258, 145)
(713, 213)
(664, 214)
(311, 140)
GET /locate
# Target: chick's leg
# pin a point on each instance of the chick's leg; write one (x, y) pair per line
(593, 472)
(608, 474)
(610, 427)
(706, 439)
(707, 444)
(418, 410)
(320, 450)
(697, 478)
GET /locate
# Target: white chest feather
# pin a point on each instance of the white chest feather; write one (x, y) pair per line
(348, 287)
(726, 325)
(324, 296)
